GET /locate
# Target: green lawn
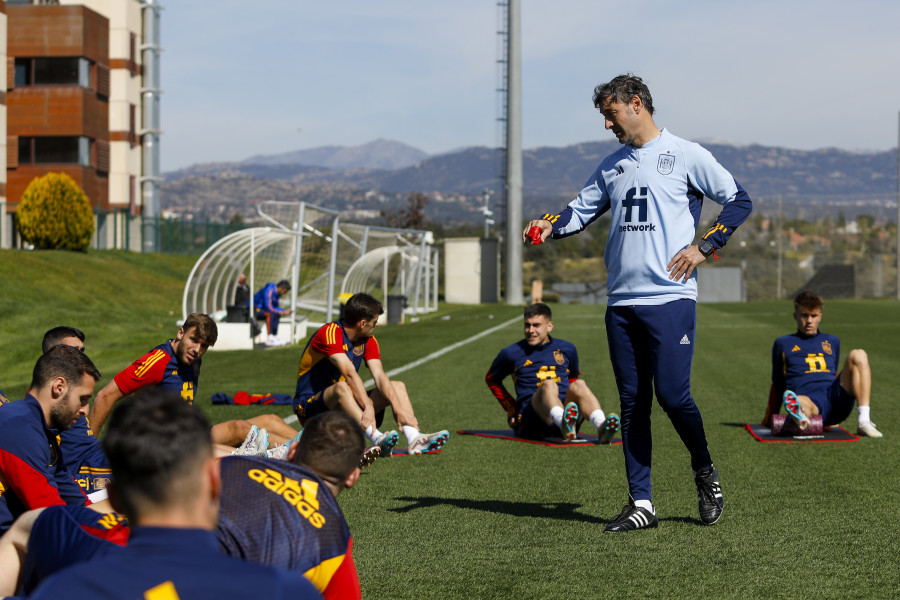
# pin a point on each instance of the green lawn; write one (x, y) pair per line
(495, 519)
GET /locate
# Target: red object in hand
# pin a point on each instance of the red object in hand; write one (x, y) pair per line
(535, 234)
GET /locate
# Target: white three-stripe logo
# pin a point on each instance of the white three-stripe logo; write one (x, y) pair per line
(685, 340)
(639, 519)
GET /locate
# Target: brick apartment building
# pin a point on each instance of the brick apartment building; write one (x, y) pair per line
(71, 101)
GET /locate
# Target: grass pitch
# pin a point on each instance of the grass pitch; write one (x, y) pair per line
(496, 519)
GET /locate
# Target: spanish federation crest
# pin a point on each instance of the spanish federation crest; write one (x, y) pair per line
(358, 350)
(559, 356)
(666, 164)
(826, 347)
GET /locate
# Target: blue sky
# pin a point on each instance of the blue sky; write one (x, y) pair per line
(244, 78)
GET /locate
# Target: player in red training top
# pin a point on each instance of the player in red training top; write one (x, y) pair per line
(175, 365)
(328, 379)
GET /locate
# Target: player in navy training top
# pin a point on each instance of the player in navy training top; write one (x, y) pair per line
(81, 450)
(167, 482)
(805, 365)
(32, 469)
(653, 187)
(285, 514)
(545, 373)
(328, 379)
(175, 366)
(266, 307)
(277, 513)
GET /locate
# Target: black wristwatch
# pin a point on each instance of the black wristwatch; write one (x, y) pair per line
(706, 248)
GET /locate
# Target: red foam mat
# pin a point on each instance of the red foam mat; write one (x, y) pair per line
(836, 434)
(584, 439)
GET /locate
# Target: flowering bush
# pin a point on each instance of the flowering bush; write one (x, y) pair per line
(56, 214)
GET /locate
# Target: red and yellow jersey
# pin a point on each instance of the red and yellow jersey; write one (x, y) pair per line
(159, 367)
(316, 372)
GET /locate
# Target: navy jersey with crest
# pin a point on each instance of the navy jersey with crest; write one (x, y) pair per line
(805, 364)
(84, 456)
(32, 471)
(316, 372)
(530, 366)
(281, 514)
(159, 367)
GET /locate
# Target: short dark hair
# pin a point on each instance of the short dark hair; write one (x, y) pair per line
(55, 336)
(62, 361)
(284, 284)
(156, 443)
(206, 327)
(538, 308)
(332, 445)
(362, 306)
(809, 300)
(622, 89)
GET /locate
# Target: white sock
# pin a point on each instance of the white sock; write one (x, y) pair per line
(863, 413)
(373, 434)
(556, 414)
(645, 504)
(410, 432)
(597, 419)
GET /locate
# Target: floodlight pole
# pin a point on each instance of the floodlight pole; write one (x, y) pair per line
(780, 242)
(514, 157)
(298, 253)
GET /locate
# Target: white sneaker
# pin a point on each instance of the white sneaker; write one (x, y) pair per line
(387, 441)
(262, 442)
(867, 429)
(279, 452)
(248, 447)
(428, 442)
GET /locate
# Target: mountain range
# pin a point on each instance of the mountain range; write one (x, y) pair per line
(379, 175)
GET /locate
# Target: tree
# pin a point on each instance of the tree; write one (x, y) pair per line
(411, 218)
(56, 214)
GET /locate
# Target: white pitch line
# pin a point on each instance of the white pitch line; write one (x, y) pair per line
(416, 363)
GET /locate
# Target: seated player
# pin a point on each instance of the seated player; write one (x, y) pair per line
(259, 523)
(805, 377)
(175, 365)
(32, 467)
(545, 374)
(45, 540)
(280, 514)
(167, 483)
(83, 453)
(329, 380)
(265, 304)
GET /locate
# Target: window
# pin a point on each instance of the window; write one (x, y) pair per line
(53, 71)
(132, 129)
(55, 150)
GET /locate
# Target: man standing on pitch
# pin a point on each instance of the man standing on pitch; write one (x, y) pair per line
(653, 187)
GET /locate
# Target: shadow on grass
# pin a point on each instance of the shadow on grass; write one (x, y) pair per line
(561, 511)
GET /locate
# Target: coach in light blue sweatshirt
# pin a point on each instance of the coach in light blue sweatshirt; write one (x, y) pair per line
(653, 188)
